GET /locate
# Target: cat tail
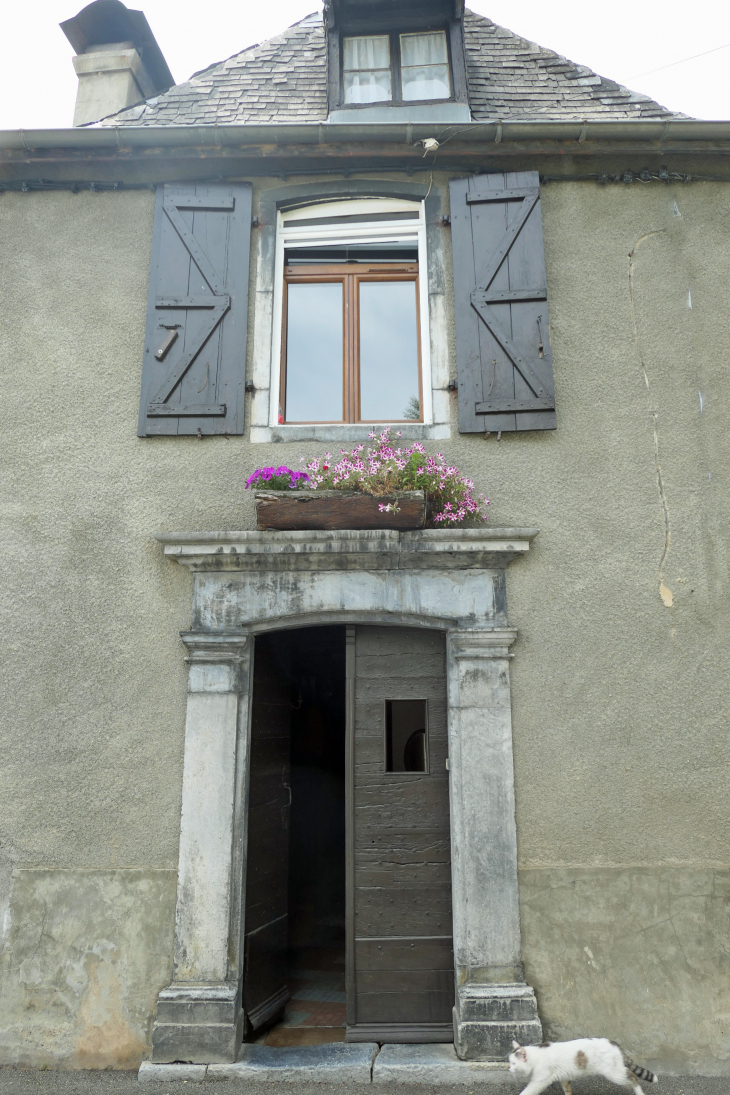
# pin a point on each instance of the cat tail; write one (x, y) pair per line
(641, 1072)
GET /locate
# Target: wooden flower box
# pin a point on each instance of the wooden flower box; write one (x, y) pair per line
(308, 510)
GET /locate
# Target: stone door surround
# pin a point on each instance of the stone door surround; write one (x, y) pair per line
(248, 582)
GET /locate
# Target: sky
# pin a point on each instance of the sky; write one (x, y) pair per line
(679, 56)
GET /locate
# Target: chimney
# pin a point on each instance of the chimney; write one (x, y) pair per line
(118, 61)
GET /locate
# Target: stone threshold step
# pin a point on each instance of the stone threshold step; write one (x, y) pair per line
(340, 1062)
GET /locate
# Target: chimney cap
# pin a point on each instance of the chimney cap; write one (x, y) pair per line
(106, 21)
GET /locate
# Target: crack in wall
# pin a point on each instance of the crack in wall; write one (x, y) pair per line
(664, 591)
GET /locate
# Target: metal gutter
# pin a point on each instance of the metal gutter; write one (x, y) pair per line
(315, 133)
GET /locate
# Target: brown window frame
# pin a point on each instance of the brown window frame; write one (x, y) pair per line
(350, 275)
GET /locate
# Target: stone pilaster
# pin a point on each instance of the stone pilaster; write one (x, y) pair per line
(199, 1016)
(493, 1003)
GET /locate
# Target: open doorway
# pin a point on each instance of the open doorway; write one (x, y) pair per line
(294, 982)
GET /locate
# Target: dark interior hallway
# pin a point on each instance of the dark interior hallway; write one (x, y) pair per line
(300, 675)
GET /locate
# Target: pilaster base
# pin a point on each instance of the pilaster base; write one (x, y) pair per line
(198, 1024)
(488, 1017)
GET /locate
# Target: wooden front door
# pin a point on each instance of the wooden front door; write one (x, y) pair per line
(400, 972)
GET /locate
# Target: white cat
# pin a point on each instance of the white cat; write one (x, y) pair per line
(566, 1061)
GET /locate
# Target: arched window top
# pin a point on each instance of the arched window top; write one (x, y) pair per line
(352, 211)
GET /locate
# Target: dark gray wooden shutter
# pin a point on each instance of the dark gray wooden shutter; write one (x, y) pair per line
(505, 369)
(194, 367)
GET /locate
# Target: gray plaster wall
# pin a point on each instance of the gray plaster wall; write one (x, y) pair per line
(619, 673)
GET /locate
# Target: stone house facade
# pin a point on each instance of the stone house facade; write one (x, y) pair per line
(389, 215)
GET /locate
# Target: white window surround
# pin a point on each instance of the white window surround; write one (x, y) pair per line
(290, 232)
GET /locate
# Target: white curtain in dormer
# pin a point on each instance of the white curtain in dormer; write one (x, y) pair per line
(366, 69)
(425, 66)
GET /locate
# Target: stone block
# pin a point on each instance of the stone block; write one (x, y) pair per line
(198, 1004)
(493, 1041)
(435, 1064)
(501, 1003)
(149, 1072)
(336, 1063)
(196, 1043)
(489, 1017)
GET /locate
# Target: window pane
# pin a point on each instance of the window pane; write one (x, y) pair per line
(388, 351)
(367, 53)
(431, 82)
(314, 353)
(366, 65)
(367, 87)
(423, 49)
(405, 736)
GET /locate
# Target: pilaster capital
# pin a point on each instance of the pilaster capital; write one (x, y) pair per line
(220, 648)
(477, 642)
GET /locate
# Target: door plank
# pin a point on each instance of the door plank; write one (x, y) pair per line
(405, 1007)
(403, 955)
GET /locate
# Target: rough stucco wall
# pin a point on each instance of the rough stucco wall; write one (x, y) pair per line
(637, 954)
(87, 952)
(621, 750)
(621, 761)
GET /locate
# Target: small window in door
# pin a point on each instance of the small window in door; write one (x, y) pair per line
(406, 726)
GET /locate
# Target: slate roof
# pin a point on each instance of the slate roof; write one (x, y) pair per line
(285, 80)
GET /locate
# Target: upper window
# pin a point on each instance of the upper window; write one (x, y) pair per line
(351, 306)
(395, 68)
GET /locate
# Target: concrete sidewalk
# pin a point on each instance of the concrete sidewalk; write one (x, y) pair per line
(16, 1081)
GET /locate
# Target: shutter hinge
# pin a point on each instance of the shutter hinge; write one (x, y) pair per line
(254, 222)
(250, 386)
(452, 386)
(446, 221)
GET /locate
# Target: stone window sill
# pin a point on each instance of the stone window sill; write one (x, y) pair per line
(347, 434)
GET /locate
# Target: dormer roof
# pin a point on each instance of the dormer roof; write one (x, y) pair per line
(284, 80)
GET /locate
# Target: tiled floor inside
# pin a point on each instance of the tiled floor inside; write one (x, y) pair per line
(315, 1014)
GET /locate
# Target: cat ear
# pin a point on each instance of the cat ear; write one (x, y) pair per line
(515, 1045)
(522, 1054)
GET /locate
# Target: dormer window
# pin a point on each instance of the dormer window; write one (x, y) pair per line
(384, 68)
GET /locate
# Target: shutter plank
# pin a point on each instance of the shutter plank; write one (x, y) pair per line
(490, 223)
(527, 268)
(501, 307)
(211, 228)
(198, 289)
(169, 276)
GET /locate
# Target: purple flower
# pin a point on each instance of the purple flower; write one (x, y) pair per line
(281, 478)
